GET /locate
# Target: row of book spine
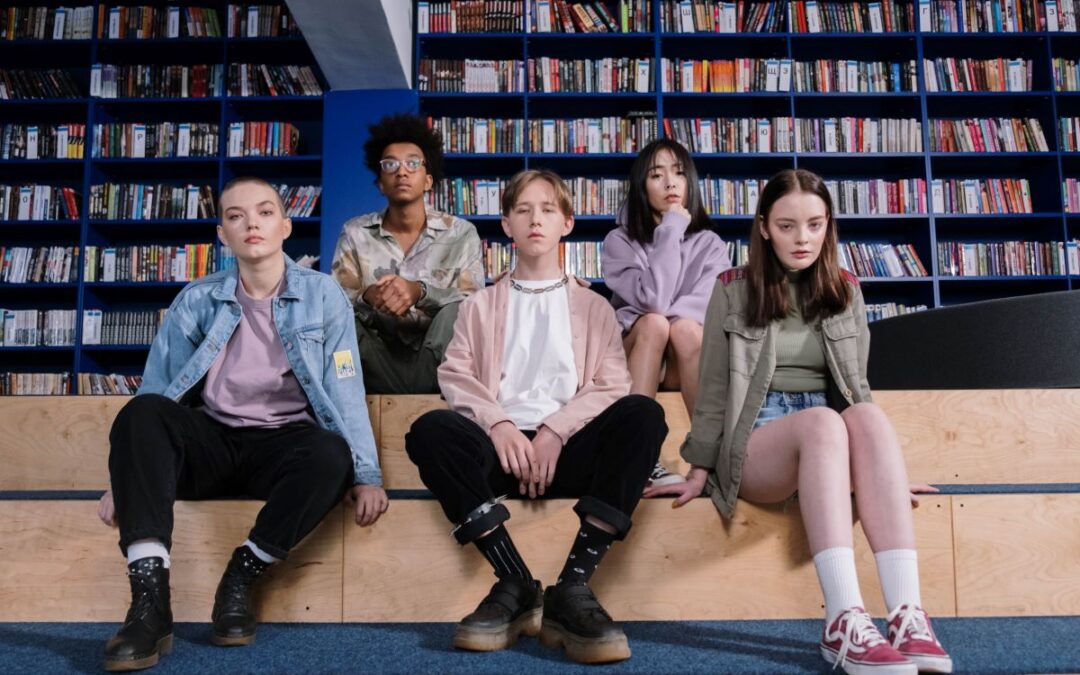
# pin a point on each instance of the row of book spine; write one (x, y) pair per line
(300, 200)
(1070, 195)
(1001, 16)
(718, 16)
(579, 258)
(878, 197)
(886, 16)
(856, 134)
(108, 384)
(471, 76)
(879, 260)
(592, 135)
(42, 141)
(253, 21)
(980, 195)
(564, 16)
(37, 83)
(469, 16)
(1066, 74)
(122, 327)
(139, 201)
(46, 23)
(150, 263)
(38, 264)
(851, 76)
(35, 384)
(745, 135)
(160, 139)
(1069, 133)
(156, 81)
(38, 202)
(968, 74)
(261, 79)
(147, 22)
(887, 310)
(37, 327)
(1008, 258)
(605, 76)
(988, 135)
(263, 139)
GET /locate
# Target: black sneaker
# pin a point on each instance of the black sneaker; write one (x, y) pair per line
(660, 476)
(512, 607)
(575, 621)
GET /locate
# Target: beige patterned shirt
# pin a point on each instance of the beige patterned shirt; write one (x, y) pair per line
(447, 257)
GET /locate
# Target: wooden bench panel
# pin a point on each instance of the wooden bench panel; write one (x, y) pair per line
(62, 442)
(676, 564)
(59, 563)
(1017, 555)
(988, 436)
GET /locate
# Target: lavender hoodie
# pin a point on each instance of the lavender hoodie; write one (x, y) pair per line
(673, 276)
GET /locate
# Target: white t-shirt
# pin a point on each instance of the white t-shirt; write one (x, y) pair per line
(539, 373)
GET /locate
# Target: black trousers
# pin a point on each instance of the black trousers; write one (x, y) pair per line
(162, 451)
(605, 464)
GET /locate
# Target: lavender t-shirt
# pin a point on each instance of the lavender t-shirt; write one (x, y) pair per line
(250, 383)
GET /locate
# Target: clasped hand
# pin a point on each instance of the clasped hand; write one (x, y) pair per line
(532, 462)
(392, 294)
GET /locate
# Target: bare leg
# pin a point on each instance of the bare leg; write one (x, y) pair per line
(686, 346)
(645, 352)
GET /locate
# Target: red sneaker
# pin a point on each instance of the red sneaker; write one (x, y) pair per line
(911, 635)
(853, 643)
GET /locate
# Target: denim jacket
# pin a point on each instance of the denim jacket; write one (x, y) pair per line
(315, 323)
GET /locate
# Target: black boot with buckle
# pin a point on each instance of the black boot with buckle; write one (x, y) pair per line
(233, 619)
(146, 635)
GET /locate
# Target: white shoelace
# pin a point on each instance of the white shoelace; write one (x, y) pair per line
(913, 622)
(859, 636)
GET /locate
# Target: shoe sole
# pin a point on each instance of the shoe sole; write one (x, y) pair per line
(479, 640)
(163, 647)
(227, 641)
(853, 668)
(584, 650)
(931, 664)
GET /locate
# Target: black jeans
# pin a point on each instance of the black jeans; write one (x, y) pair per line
(162, 451)
(606, 463)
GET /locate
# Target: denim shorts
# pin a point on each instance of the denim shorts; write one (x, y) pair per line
(780, 403)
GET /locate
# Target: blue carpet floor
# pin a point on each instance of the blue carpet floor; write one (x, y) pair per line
(984, 646)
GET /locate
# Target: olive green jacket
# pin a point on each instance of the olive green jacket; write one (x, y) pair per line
(737, 364)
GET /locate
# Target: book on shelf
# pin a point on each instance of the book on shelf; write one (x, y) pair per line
(37, 83)
(1069, 133)
(42, 141)
(744, 135)
(253, 21)
(112, 384)
(878, 197)
(604, 76)
(38, 264)
(137, 201)
(567, 16)
(156, 81)
(38, 202)
(46, 23)
(853, 134)
(851, 76)
(887, 16)
(480, 135)
(730, 197)
(37, 327)
(981, 195)
(1066, 74)
(264, 79)
(469, 16)
(149, 263)
(579, 258)
(148, 22)
(999, 16)
(1070, 189)
(300, 200)
(1001, 74)
(594, 135)
(1003, 258)
(120, 327)
(35, 384)
(263, 139)
(720, 16)
(726, 75)
(471, 76)
(869, 260)
(155, 140)
(887, 310)
(987, 135)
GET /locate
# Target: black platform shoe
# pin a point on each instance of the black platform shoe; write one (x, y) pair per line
(234, 622)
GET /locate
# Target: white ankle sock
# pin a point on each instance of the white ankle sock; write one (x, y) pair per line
(148, 548)
(261, 554)
(839, 582)
(898, 570)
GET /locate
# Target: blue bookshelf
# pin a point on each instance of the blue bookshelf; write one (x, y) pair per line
(1046, 171)
(213, 170)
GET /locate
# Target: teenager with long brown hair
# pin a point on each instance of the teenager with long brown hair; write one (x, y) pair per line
(784, 406)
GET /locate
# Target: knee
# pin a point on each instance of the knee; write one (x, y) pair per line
(686, 337)
(444, 319)
(653, 330)
(423, 437)
(864, 417)
(641, 417)
(822, 435)
(140, 410)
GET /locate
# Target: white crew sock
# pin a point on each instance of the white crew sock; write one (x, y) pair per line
(148, 548)
(261, 554)
(839, 582)
(898, 570)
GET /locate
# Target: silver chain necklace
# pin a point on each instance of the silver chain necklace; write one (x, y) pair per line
(524, 289)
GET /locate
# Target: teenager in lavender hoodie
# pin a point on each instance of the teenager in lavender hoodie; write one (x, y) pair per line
(661, 264)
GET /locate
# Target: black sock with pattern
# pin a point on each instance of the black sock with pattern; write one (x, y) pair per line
(588, 550)
(500, 551)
